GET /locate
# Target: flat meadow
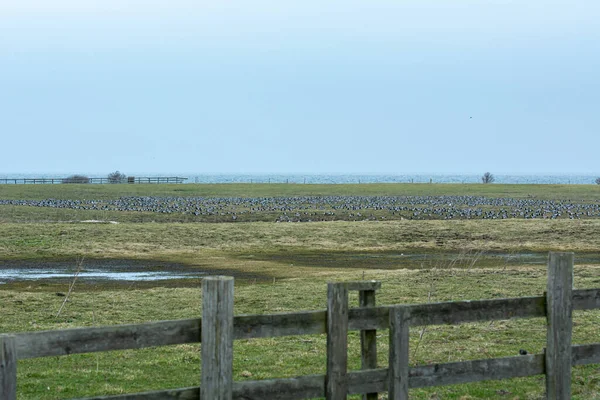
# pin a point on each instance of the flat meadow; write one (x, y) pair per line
(283, 243)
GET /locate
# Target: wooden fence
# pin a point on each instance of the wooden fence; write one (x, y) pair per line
(218, 328)
(130, 179)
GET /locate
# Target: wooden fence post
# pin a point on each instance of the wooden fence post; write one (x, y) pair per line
(559, 312)
(368, 339)
(217, 338)
(398, 359)
(336, 380)
(8, 368)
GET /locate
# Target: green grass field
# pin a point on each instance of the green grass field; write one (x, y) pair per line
(90, 191)
(285, 267)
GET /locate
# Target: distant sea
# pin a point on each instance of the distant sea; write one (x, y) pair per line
(346, 178)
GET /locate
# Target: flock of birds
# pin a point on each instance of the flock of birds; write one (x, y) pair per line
(326, 208)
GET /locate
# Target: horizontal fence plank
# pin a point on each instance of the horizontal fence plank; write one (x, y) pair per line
(476, 371)
(284, 324)
(586, 354)
(368, 318)
(302, 387)
(586, 299)
(376, 380)
(192, 393)
(118, 337)
(135, 336)
(368, 381)
(163, 333)
(310, 386)
(451, 312)
(477, 310)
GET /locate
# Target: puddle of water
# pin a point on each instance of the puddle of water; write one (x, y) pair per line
(21, 274)
(109, 270)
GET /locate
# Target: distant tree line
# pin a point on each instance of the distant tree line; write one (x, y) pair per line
(113, 177)
(76, 179)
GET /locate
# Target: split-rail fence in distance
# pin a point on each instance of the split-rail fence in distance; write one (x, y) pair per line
(86, 180)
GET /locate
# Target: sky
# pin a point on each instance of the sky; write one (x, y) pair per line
(311, 86)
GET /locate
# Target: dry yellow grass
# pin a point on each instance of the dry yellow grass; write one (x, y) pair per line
(142, 240)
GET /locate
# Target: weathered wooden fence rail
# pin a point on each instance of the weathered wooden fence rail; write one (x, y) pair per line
(218, 328)
(85, 180)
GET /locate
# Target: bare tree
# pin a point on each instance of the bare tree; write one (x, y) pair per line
(116, 177)
(487, 178)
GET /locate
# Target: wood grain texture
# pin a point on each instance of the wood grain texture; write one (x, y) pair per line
(398, 359)
(137, 336)
(336, 382)
(476, 370)
(118, 337)
(284, 324)
(302, 387)
(451, 312)
(308, 386)
(558, 303)
(8, 368)
(192, 393)
(560, 326)
(586, 299)
(217, 338)
(368, 339)
(377, 380)
(586, 354)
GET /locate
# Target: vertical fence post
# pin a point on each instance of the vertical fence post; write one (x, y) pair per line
(398, 359)
(217, 338)
(336, 380)
(559, 310)
(8, 368)
(368, 339)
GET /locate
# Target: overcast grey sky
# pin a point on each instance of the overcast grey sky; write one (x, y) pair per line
(276, 86)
